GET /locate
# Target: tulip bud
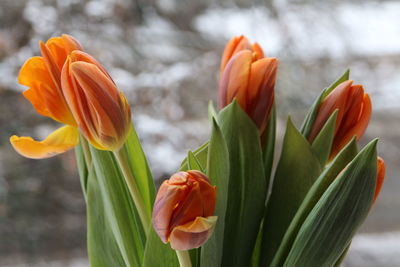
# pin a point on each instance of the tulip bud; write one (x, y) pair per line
(183, 210)
(354, 112)
(249, 77)
(100, 109)
(380, 177)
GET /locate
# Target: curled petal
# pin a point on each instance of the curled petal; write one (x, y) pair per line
(192, 234)
(57, 142)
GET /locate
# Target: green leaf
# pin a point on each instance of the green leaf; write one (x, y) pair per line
(218, 173)
(82, 168)
(330, 226)
(157, 253)
(139, 166)
(345, 76)
(201, 155)
(312, 197)
(297, 170)
(323, 142)
(342, 257)
(312, 113)
(119, 209)
(194, 163)
(212, 113)
(102, 247)
(247, 186)
(268, 144)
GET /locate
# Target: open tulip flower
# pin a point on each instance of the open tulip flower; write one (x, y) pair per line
(354, 112)
(43, 77)
(183, 210)
(248, 76)
(71, 87)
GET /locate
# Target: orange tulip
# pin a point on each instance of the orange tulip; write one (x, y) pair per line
(183, 210)
(354, 112)
(248, 76)
(380, 177)
(42, 75)
(101, 110)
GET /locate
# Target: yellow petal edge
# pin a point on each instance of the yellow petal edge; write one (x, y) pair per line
(59, 141)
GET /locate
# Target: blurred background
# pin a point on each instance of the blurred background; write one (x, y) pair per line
(164, 55)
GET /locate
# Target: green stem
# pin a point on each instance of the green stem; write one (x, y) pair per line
(86, 152)
(133, 188)
(184, 258)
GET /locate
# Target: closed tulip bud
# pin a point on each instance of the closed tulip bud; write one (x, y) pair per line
(183, 210)
(354, 112)
(249, 77)
(380, 177)
(100, 109)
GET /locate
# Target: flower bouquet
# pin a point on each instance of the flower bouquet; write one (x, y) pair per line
(230, 204)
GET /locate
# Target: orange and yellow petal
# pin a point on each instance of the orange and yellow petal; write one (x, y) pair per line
(192, 234)
(59, 141)
(43, 93)
(61, 47)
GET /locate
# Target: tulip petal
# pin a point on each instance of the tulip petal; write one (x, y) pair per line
(354, 105)
(61, 47)
(168, 198)
(43, 94)
(380, 177)
(208, 193)
(337, 99)
(57, 142)
(235, 79)
(235, 45)
(193, 234)
(260, 93)
(257, 51)
(85, 57)
(188, 208)
(107, 112)
(357, 130)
